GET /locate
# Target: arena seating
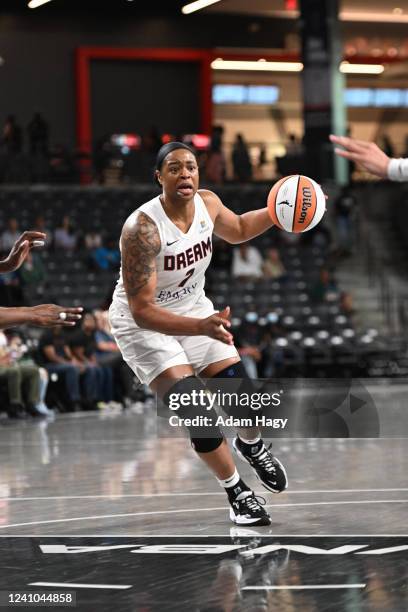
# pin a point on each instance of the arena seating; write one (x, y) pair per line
(312, 338)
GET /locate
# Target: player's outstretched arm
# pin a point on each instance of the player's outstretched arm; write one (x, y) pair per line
(44, 315)
(366, 154)
(235, 228)
(20, 250)
(140, 242)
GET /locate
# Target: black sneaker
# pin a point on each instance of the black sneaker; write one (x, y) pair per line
(246, 509)
(268, 469)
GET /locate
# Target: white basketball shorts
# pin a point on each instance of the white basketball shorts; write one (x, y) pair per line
(149, 353)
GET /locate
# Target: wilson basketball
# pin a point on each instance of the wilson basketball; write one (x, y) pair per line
(296, 203)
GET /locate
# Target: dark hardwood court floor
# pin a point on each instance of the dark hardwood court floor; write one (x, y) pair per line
(218, 574)
(107, 480)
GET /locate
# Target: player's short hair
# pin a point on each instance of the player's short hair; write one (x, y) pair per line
(168, 148)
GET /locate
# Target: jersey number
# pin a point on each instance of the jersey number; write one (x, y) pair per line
(187, 276)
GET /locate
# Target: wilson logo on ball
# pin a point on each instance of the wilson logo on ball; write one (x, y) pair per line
(296, 203)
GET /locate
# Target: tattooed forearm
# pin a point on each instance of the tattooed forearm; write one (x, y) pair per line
(140, 246)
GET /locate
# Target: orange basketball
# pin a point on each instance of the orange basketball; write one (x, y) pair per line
(296, 203)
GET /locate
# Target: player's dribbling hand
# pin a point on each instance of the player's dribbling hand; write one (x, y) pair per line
(49, 315)
(215, 326)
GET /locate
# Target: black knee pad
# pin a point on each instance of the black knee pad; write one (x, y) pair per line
(206, 445)
(204, 438)
(236, 379)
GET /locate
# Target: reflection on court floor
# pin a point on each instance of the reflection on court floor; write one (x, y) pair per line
(153, 530)
(243, 572)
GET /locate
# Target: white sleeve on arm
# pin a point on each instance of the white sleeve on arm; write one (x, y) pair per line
(398, 169)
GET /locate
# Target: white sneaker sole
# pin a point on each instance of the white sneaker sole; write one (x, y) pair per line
(268, 488)
(244, 520)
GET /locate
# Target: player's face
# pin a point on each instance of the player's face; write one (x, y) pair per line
(179, 175)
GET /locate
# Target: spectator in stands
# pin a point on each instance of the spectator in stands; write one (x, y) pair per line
(38, 135)
(56, 357)
(247, 262)
(247, 340)
(32, 272)
(65, 236)
(107, 257)
(325, 286)
(12, 136)
(241, 161)
(273, 267)
(215, 168)
(16, 376)
(20, 352)
(344, 207)
(108, 354)
(10, 236)
(293, 147)
(98, 380)
(346, 304)
(93, 240)
(41, 226)
(62, 166)
(11, 293)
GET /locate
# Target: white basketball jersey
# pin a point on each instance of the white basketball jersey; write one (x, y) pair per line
(182, 260)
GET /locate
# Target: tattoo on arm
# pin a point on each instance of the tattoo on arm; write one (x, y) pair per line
(140, 246)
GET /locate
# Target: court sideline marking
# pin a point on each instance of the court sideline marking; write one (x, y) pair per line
(188, 510)
(205, 494)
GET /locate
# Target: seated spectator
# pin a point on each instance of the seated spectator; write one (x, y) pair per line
(40, 226)
(19, 351)
(107, 257)
(98, 380)
(64, 236)
(16, 376)
(325, 286)
(10, 290)
(108, 354)
(32, 272)
(56, 357)
(273, 267)
(346, 304)
(246, 262)
(10, 236)
(93, 240)
(247, 339)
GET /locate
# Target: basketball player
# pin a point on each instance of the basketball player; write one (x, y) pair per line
(371, 158)
(167, 328)
(44, 315)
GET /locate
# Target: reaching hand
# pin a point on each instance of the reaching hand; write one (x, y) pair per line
(214, 326)
(48, 315)
(367, 154)
(20, 251)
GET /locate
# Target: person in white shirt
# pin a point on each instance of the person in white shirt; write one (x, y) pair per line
(247, 263)
(370, 157)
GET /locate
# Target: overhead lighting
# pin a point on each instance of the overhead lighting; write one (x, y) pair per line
(260, 65)
(196, 6)
(348, 68)
(35, 3)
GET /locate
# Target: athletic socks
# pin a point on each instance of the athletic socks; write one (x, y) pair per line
(251, 447)
(234, 485)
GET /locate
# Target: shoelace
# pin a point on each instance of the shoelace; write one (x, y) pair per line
(266, 460)
(254, 502)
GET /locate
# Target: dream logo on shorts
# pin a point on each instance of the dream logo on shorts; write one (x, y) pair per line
(188, 257)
